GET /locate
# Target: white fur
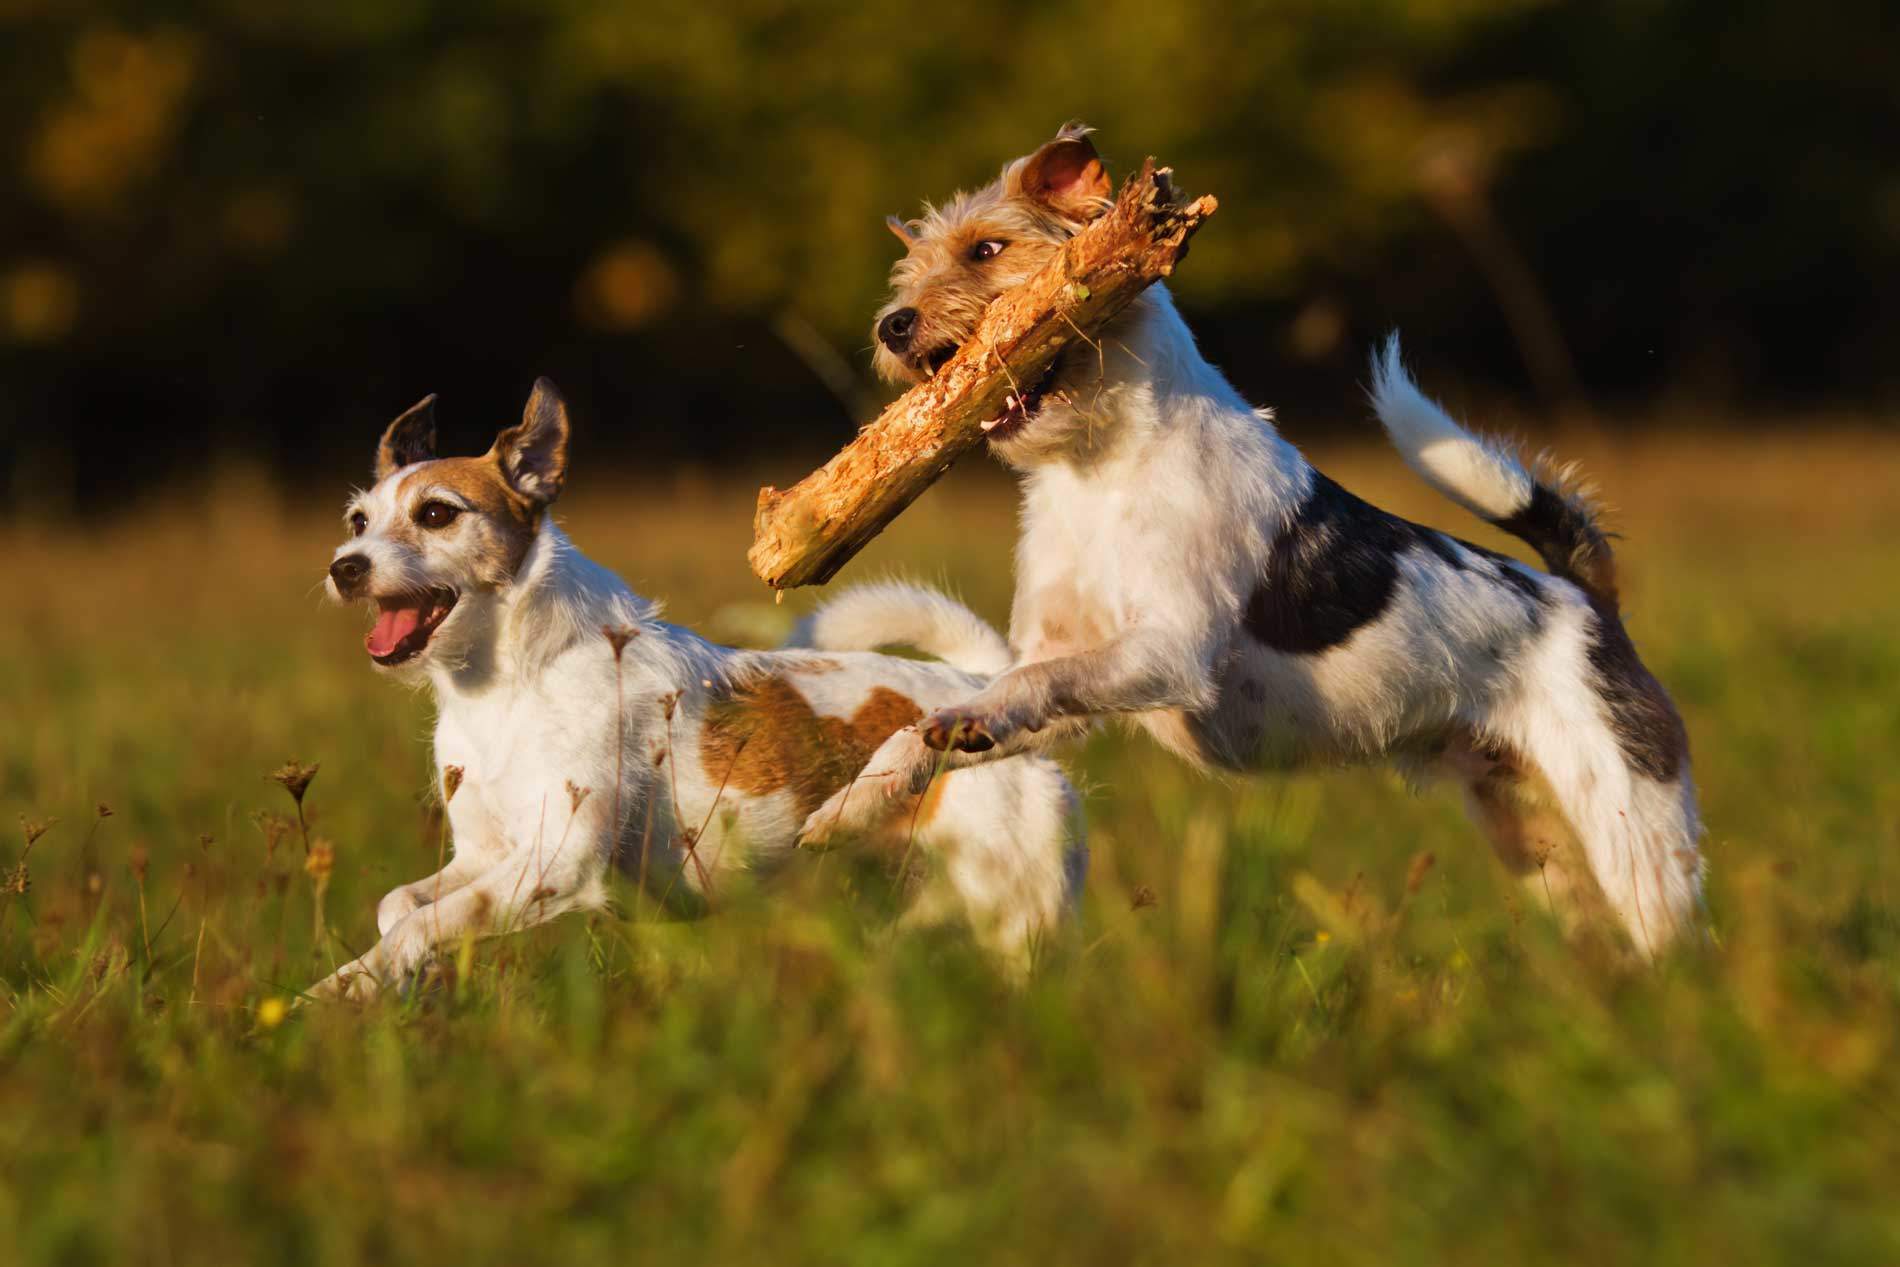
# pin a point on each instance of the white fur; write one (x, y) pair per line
(1486, 479)
(1153, 496)
(569, 767)
(890, 613)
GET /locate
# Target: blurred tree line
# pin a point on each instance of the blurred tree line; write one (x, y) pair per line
(261, 227)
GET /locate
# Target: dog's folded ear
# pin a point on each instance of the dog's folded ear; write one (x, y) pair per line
(1066, 175)
(533, 455)
(409, 439)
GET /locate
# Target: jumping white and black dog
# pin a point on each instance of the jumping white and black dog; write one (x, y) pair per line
(1181, 563)
(577, 731)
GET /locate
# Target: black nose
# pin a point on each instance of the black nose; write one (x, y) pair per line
(894, 331)
(348, 572)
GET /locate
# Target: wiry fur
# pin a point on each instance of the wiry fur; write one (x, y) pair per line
(1181, 564)
(890, 613)
(710, 758)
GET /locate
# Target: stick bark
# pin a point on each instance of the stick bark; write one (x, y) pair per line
(804, 534)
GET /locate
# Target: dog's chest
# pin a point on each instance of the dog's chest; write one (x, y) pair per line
(514, 769)
(1086, 566)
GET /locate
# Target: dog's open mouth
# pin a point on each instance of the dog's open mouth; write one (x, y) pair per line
(404, 625)
(1019, 408)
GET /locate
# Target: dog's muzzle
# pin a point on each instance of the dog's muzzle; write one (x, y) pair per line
(895, 329)
(348, 574)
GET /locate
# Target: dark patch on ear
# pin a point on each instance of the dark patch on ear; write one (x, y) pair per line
(408, 440)
(533, 455)
(1647, 727)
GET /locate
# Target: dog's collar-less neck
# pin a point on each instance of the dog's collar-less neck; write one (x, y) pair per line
(558, 598)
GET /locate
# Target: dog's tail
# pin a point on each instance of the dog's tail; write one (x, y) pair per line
(1538, 504)
(893, 613)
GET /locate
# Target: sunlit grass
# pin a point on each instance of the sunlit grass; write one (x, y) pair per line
(1300, 1019)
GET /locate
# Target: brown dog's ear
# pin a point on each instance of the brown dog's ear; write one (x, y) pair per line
(902, 231)
(533, 456)
(1066, 175)
(409, 439)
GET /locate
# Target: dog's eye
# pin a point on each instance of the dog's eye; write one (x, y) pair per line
(437, 514)
(987, 250)
(359, 523)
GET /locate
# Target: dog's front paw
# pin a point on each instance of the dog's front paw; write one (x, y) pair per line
(852, 810)
(352, 983)
(899, 769)
(962, 730)
(397, 905)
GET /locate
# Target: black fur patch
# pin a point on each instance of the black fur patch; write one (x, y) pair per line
(1335, 566)
(1566, 538)
(1647, 727)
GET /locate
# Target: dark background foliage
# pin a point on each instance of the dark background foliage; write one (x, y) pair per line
(259, 228)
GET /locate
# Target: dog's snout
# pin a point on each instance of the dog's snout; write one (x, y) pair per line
(349, 572)
(895, 330)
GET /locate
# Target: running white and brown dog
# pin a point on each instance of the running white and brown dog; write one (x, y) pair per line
(577, 731)
(1182, 564)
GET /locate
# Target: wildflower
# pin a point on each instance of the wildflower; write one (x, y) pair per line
(618, 636)
(321, 862)
(295, 776)
(275, 827)
(271, 1012)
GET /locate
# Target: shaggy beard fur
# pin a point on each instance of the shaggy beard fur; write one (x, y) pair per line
(1181, 564)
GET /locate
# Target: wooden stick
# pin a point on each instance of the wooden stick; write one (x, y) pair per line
(804, 534)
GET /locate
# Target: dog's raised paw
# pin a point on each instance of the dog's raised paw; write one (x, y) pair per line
(952, 730)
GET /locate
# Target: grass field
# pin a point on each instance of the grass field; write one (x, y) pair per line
(1276, 1034)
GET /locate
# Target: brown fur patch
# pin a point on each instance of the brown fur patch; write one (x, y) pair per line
(932, 798)
(764, 737)
(509, 520)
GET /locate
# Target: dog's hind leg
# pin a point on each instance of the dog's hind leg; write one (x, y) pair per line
(1636, 836)
(1513, 806)
(1005, 844)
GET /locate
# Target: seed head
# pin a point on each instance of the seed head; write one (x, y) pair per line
(1142, 898)
(141, 862)
(1421, 864)
(17, 880)
(618, 636)
(275, 827)
(105, 811)
(35, 830)
(451, 782)
(295, 776)
(576, 795)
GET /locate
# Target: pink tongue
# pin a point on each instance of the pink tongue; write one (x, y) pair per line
(393, 624)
